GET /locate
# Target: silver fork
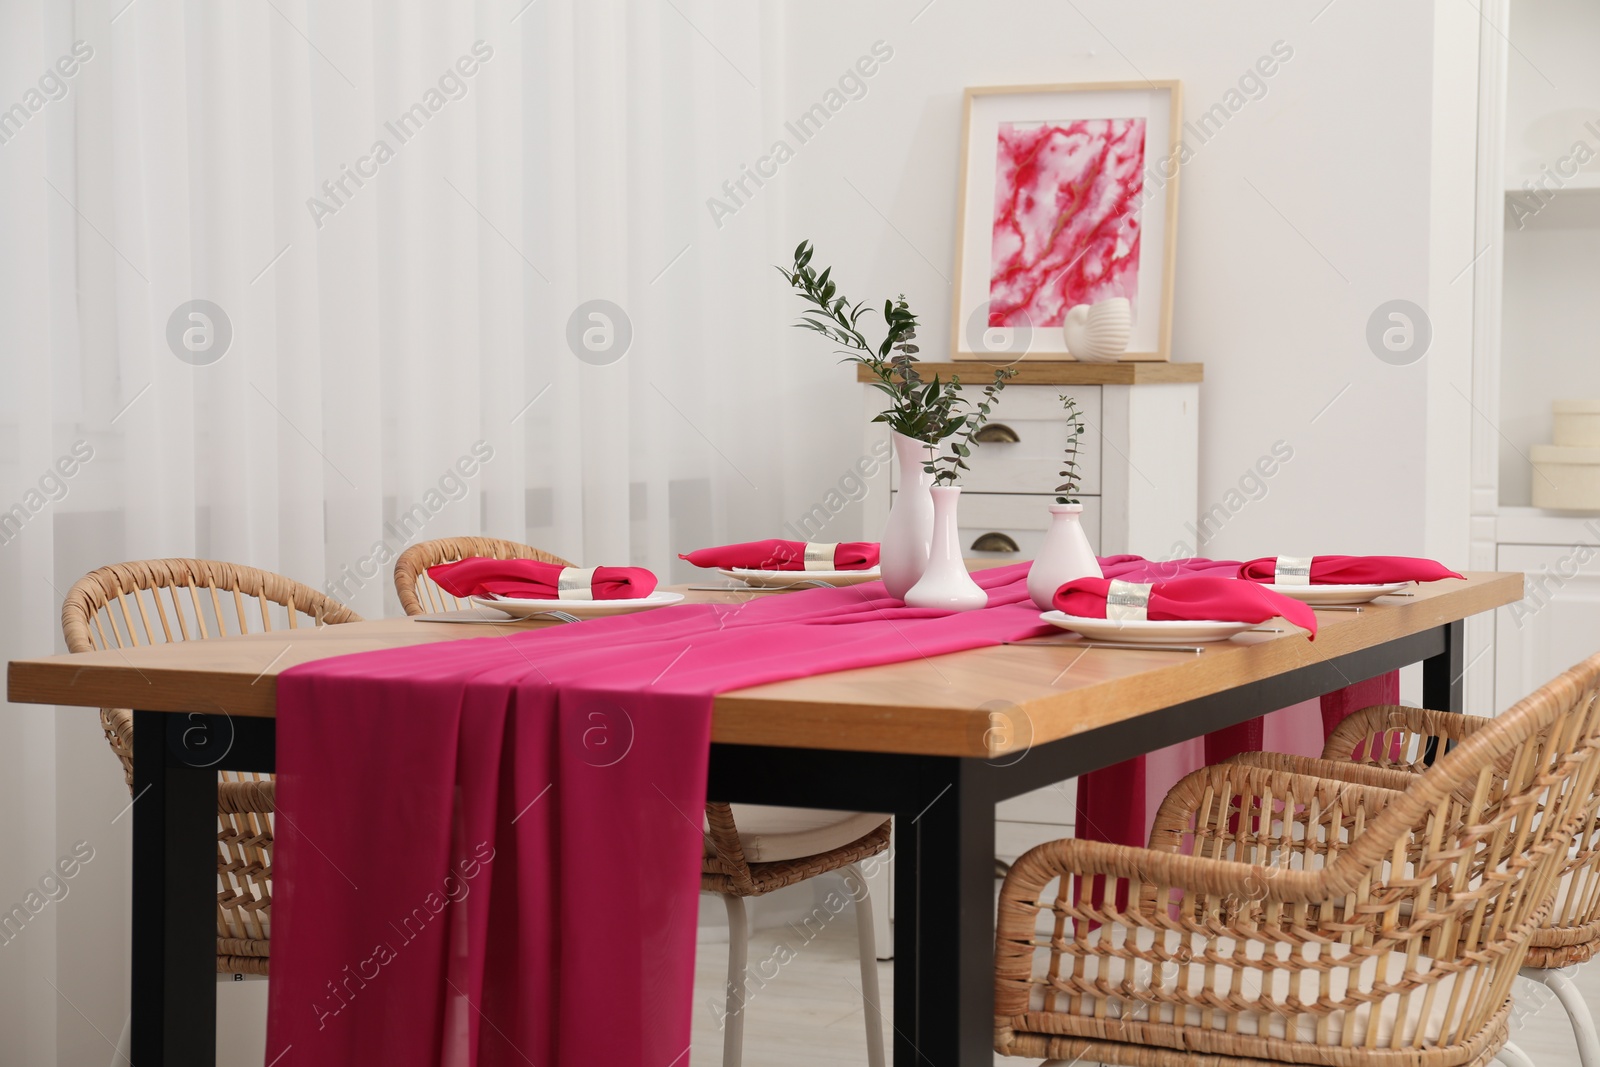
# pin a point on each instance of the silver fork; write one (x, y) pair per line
(559, 616)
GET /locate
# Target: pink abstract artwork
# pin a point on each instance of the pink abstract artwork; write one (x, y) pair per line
(1066, 218)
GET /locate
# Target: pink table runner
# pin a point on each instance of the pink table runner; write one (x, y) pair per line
(488, 851)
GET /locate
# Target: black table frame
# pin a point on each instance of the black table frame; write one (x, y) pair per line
(944, 808)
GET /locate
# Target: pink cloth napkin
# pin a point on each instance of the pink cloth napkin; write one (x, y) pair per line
(779, 555)
(488, 850)
(1356, 570)
(533, 579)
(1191, 599)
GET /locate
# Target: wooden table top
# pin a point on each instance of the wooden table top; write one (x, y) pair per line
(944, 705)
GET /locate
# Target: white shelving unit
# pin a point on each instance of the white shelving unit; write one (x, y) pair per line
(1537, 335)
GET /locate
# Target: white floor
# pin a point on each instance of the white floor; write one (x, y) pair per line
(810, 1011)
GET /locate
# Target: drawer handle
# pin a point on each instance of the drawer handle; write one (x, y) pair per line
(997, 432)
(995, 542)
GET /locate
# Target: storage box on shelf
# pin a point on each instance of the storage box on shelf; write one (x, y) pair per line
(1566, 474)
(1577, 423)
(1140, 490)
(1566, 478)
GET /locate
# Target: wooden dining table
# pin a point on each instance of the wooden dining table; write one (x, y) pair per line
(937, 742)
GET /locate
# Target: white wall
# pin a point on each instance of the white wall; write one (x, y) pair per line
(1305, 212)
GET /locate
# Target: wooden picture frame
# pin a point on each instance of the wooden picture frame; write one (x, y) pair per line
(1118, 112)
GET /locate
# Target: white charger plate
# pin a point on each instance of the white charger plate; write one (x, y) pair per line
(779, 579)
(1146, 631)
(1334, 595)
(584, 609)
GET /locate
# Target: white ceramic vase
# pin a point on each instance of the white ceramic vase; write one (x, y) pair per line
(1099, 333)
(946, 583)
(1065, 555)
(903, 553)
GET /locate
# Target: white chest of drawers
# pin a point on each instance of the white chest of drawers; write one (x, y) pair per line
(1139, 457)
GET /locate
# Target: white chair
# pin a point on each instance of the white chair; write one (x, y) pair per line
(751, 850)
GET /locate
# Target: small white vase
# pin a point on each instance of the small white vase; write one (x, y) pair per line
(946, 583)
(1065, 555)
(1099, 333)
(903, 553)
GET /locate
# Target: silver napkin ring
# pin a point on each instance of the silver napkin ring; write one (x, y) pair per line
(819, 556)
(1292, 570)
(1127, 601)
(575, 583)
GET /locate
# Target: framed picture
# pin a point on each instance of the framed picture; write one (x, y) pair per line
(1069, 196)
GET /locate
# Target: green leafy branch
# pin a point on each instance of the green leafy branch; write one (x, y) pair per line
(1070, 474)
(947, 467)
(922, 410)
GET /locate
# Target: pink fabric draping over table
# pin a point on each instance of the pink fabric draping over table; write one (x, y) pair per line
(1118, 803)
(488, 851)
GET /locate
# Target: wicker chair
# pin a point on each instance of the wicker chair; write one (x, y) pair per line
(1290, 918)
(1402, 741)
(420, 594)
(750, 849)
(121, 606)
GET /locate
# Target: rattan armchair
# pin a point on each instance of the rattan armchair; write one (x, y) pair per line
(1288, 918)
(122, 606)
(420, 594)
(1402, 740)
(750, 849)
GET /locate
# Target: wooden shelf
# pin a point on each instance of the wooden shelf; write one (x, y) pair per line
(1064, 372)
(1538, 526)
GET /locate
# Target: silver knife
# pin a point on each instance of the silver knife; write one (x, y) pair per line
(1074, 643)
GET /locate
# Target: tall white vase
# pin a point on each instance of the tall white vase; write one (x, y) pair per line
(903, 554)
(1065, 555)
(946, 583)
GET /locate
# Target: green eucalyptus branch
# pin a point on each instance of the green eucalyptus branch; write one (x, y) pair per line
(946, 468)
(922, 410)
(1071, 477)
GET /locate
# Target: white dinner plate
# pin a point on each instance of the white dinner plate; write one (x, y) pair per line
(779, 579)
(1146, 631)
(1331, 595)
(523, 609)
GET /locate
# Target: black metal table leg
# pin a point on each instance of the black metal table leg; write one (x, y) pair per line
(944, 919)
(1442, 684)
(174, 895)
(1443, 687)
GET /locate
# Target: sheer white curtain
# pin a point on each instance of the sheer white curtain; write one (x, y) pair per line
(394, 213)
